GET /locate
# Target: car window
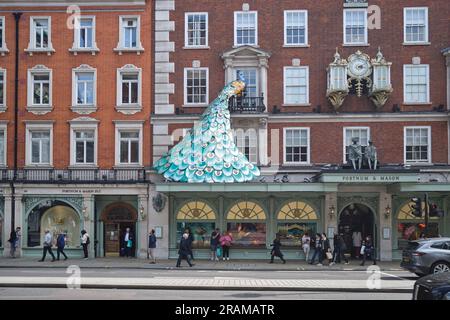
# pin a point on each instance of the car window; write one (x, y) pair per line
(446, 246)
(438, 245)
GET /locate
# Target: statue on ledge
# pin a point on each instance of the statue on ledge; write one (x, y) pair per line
(355, 153)
(371, 156)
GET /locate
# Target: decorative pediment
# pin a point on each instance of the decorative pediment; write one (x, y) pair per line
(246, 51)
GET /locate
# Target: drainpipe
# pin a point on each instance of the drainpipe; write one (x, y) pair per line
(17, 16)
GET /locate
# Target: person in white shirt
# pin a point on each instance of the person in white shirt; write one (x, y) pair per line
(48, 238)
(306, 240)
(357, 240)
(85, 242)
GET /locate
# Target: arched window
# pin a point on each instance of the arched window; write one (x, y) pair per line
(247, 225)
(57, 217)
(296, 218)
(409, 227)
(199, 218)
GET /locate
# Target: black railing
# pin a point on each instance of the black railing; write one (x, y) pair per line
(246, 105)
(75, 175)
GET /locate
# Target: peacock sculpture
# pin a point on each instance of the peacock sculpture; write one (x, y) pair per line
(208, 152)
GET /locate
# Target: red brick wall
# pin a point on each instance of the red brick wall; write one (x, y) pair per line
(61, 62)
(325, 34)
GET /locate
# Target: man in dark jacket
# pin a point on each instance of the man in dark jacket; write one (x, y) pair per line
(152, 245)
(184, 252)
(128, 240)
(60, 244)
(14, 240)
(276, 250)
(369, 251)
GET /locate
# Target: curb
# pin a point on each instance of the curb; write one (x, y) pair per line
(200, 288)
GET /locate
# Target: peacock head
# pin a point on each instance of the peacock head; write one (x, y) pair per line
(234, 88)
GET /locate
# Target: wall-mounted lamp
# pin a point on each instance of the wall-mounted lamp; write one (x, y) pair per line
(387, 212)
(332, 212)
(142, 213)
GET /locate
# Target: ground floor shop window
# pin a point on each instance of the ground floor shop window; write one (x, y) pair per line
(57, 217)
(291, 233)
(200, 230)
(247, 235)
(1, 231)
(407, 231)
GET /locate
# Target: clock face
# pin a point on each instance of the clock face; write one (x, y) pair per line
(359, 68)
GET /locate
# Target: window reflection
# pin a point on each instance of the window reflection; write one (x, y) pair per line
(247, 234)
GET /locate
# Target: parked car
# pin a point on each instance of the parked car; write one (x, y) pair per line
(433, 287)
(427, 256)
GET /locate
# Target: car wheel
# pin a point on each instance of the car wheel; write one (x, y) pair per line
(440, 267)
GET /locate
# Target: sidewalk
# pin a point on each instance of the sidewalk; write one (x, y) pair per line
(232, 265)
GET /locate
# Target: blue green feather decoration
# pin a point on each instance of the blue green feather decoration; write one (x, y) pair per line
(208, 152)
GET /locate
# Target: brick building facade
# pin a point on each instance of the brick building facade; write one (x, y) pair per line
(298, 115)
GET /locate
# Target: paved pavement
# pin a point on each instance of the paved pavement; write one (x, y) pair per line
(250, 265)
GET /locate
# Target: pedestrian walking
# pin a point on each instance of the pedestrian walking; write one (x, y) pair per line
(215, 237)
(48, 239)
(369, 251)
(326, 249)
(339, 249)
(317, 249)
(276, 250)
(152, 245)
(85, 241)
(306, 245)
(225, 241)
(14, 240)
(191, 241)
(184, 251)
(60, 244)
(128, 240)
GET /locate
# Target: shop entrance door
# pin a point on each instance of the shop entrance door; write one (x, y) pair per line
(357, 222)
(112, 242)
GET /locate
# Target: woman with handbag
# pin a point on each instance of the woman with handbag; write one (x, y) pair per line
(326, 249)
(225, 242)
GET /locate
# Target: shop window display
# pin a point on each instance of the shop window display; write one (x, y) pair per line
(56, 216)
(291, 232)
(200, 230)
(247, 235)
(407, 231)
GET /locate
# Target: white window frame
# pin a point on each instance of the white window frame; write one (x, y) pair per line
(427, 34)
(83, 126)
(128, 107)
(366, 32)
(87, 107)
(3, 105)
(300, 163)
(43, 126)
(429, 145)
(120, 45)
(405, 101)
(3, 47)
(128, 126)
(76, 37)
(4, 128)
(32, 44)
(186, 36)
(39, 108)
(307, 103)
(195, 104)
(235, 28)
(305, 44)
(240, 136)
(344, 134)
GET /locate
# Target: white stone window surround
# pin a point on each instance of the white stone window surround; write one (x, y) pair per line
(344, 134)
(427, 68)
(196, 104)
(297, 45)
(34, 108)
(300, 163)
(76, 37)
(83, 124)
(3, 106)
(236, 13)
(186, 28)
(4, 129)
(38, 126)
(120, 49)
(127, 126)
(307, 103)
(3, 48)
(32, 45)
(83, 108)
(247, 138)
(426, 40)
(366, 33)
(131, 108)
(414, 162)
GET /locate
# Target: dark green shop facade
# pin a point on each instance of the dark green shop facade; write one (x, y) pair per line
(369, 203)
